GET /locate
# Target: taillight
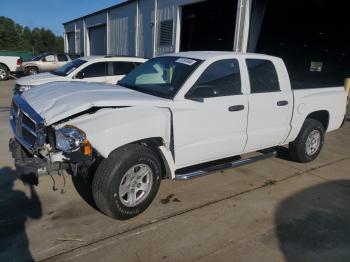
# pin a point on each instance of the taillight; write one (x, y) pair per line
(19, 61)
(347, 91)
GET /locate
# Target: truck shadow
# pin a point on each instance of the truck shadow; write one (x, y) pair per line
(15, 208)
(314, 224)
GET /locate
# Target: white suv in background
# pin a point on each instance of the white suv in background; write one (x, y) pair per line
(100, 69)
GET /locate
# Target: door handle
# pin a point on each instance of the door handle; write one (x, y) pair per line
(236, 108)
(282, 103)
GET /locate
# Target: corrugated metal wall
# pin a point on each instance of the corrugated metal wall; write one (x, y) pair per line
(122, 27)
(167, 10)
(71, 42)
(146, 27)
(69, 27)
(122, 30)
(79, 37)
(97, 19)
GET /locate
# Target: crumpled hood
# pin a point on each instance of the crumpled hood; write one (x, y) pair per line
(39, 79)
(59, 100)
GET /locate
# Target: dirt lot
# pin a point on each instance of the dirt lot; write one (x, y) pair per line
(275, 210)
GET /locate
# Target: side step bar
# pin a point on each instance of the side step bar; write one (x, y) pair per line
(265, 154)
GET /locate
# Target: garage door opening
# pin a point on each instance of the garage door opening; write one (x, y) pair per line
(71, 42)
(98, 40)
(309, 35)
(208, 25)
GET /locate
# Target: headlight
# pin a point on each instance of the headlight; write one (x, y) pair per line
(70, 139)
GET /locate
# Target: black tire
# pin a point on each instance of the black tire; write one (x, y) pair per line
(31, 70)
(298, 148)
(4, 73)
(108, 179)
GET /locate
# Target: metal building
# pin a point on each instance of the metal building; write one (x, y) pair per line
(147, 27)
(308, 35)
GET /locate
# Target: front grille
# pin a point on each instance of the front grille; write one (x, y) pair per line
(26, 124)
(28, 136)
(30, 124)
(14, 108)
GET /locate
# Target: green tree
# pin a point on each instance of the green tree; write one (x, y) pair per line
(15, 37)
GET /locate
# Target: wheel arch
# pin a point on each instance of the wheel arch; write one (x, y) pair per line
(321, 116)
(158, 146)
(8, 69)
(30, 65)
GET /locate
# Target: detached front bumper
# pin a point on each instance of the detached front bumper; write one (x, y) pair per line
(28, 164)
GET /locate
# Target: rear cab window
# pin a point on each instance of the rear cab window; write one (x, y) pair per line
(62, 58)
(73, 56)
(122, 68)
(263, 76)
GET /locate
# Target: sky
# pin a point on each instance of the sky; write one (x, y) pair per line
(50, 13)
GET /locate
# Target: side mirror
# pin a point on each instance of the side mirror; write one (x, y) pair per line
(199, 92)
(80, 75)
(194, 94)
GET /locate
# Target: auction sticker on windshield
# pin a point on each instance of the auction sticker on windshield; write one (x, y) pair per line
(186, 61)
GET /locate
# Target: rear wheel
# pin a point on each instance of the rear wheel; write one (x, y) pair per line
(4, 73)
(309, 142)
(31, 70)
(126, 183)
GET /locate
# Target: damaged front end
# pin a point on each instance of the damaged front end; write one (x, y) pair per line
(40, 150)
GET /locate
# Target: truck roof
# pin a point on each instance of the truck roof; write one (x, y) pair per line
(91, 58)
(207, 55)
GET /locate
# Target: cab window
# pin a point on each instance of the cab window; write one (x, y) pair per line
(222, 78)
(74, 56)
(263, 76)
(62, 58)
(49, 58)
(122, 68)
(95, 70)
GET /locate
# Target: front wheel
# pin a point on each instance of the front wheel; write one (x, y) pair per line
(309, 142)
(126, 183)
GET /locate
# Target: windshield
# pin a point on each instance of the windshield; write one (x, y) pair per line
(69, 67)
(162, 76)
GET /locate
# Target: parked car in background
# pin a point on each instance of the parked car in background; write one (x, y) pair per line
(102, 69)
(9, 64)
(167, 117)
(46, 62)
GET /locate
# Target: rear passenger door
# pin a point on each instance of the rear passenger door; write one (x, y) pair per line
(96, 72)
(118, 70)
(270, 106)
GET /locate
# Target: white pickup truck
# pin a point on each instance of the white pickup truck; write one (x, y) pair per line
(178, 116)
(9, 64)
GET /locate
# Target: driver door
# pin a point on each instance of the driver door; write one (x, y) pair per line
(211, 123)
